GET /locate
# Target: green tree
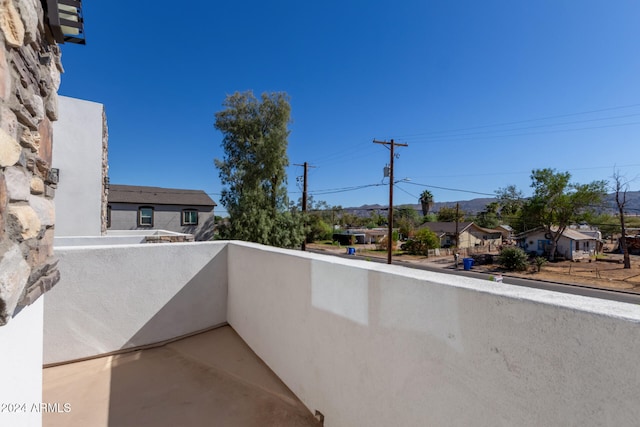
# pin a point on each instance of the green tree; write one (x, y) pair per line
(557, 203)
(449, 214)
(431, 217)
(488, 218)
(423, 240)
(406, 218)
(376, 220)
(255, 133)
(510, 201)
(348, 219)
(318, 229)
(320, 217)
(426, 201)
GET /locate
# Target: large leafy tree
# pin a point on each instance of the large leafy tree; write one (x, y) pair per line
(255, 133)
(488, 218)
(510, 201)
(320, 219)
(450, 214)
(406, 218)
(556, 203)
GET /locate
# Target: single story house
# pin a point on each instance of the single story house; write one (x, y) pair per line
(362, 235)
(470, 234)
(507, 232)
(132, 207)
(572, 244)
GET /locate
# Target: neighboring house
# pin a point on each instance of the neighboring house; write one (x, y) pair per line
(363, 235)
(470, 234)
(507, 232)
(132, 207)
(572, 244)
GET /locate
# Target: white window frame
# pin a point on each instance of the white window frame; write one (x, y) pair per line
(192, 213)
(141, 217)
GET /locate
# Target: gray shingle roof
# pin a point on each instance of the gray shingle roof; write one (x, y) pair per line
(158, 196)
(441, 228)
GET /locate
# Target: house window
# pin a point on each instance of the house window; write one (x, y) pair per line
(189, 217)
(145, 216)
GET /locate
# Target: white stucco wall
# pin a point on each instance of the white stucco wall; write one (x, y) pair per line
(117, 297)
(21, 368)
(366, 344)
(375, 345)
(77, 152)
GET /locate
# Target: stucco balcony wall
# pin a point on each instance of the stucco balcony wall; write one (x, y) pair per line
(116, 297)
(365, 344)
(375, 345)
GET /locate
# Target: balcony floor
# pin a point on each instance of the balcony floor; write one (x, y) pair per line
(210, 379)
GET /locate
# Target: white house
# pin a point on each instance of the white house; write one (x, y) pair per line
(572, 244)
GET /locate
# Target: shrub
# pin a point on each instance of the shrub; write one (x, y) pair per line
(540, 261)
(513, 259)
(382, 243)
(424, 240)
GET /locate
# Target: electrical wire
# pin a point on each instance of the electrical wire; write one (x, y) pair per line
(450, 189)
(456, 138)
(524, 121)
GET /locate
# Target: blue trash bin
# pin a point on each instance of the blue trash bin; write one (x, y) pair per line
(468, 263)
(351, 251)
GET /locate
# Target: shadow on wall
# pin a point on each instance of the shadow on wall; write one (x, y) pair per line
(191, 306)
(206, 231)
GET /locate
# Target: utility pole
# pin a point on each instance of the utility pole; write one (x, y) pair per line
(391, 145)
(457, 232)
(304, 197)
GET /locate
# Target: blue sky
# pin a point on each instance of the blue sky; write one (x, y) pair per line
(482, 92)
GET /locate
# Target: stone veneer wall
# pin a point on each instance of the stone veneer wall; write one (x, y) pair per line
(105, 173)
(30, 70)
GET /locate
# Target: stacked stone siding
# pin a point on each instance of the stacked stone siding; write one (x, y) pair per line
(30, 70)
(105, 174)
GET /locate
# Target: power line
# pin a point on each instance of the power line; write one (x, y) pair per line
(526, 120)
(406, 192)
(536, 126)
(344, 189)
(456, 138)
(450, 189)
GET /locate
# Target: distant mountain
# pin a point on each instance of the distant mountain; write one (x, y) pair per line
(474, 206)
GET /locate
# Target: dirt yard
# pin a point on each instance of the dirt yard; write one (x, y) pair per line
(606, 272)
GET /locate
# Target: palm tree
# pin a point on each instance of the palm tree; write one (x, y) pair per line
(426, 200)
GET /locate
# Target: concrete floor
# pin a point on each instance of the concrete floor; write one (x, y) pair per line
(211, 379)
